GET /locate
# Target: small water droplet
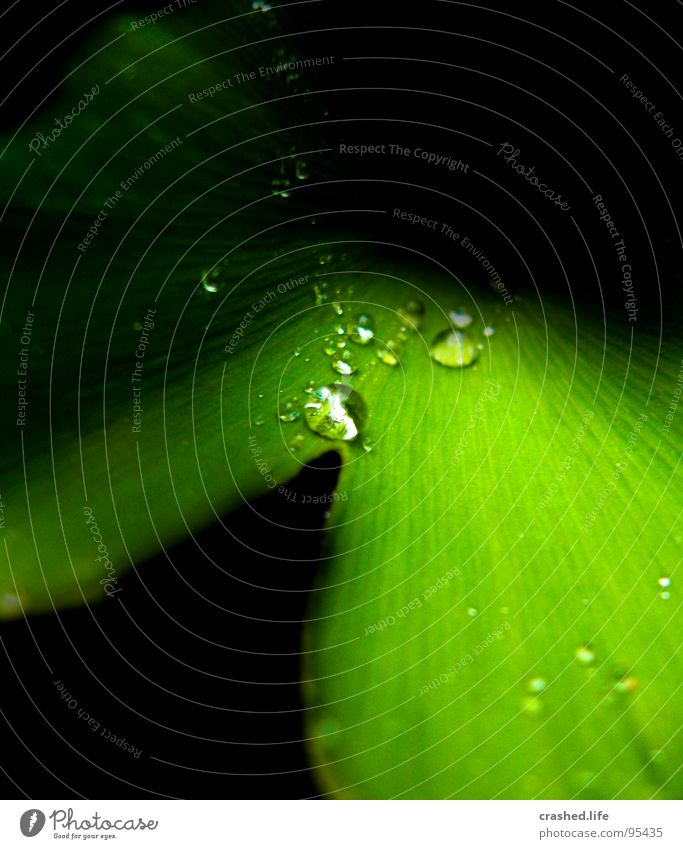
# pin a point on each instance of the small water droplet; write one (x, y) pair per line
(301, 170)
(390, 352)
(307, 359)
(344, 364)
(324, 259)
(665, 595)
(584, 655)
(368, 445)
(211, 280)
(337, 412)
(664, 582)
(454, 349)
(536, 685)
(261, 394)
(489, 331)
(297, 352)
(288, 413)
(460, 318)
(259, 422)
(361, 330)
(330, 346)
(295, 444)
(412, 313)
(319, 292)
(338, 308)
(626, 684)
(472, 612)
(532, 705)
(339, 330)
(280, 186)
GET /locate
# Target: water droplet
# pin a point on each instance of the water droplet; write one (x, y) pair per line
(309, 389)
(454, 349)
(319, 292)
(10, 604)
(390, 352)
(460, 318)
(361, 330)
(412, 313)
(338, 412)
(297, 352)
(338, 308)
(259, 422)
(536, 685)
(330, 346)
(307, 359)
(664, 582)
(324, 259)
(532, 705)
(368, 445)
(288, 413)
(260, 6)
(301, 170)
(339, 330)
(665, 595)
(280, 186)
(295, 444)
(472, 612)
(489, 331)
(584, 655)
(211, 280)
(344, 364)
(626, 684)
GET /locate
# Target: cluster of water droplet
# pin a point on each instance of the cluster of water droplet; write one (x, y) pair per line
(291, 169)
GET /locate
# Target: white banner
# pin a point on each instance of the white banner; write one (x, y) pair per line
(343, 825)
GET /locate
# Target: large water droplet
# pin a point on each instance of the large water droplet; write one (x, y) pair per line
(454, 349)
(536, 685)
(337, 412)
(361, 330)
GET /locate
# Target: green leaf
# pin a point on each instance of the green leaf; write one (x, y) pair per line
(493, 623)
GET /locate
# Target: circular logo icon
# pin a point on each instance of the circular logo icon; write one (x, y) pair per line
(32, 822)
